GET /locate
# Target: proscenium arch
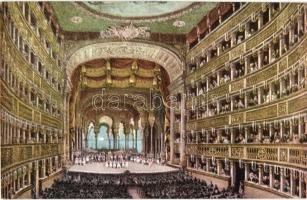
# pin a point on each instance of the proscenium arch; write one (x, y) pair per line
(169, 60)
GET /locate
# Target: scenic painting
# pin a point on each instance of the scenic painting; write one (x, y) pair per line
(153, 99)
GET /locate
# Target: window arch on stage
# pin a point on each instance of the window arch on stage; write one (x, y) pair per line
(111, 139)
(121, 137)
(91, 138)
(103, 137)
(139, 139)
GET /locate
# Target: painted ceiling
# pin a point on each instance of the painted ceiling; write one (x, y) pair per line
(161, 17)
(129, 8)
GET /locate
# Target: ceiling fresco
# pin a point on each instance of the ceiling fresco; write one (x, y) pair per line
(143, 8)
(159, 17)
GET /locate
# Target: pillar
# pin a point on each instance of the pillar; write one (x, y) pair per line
(233, 171)
(36, 186)
(259, 133)
(271, 176)
(246, 134)
(182, 130)
(282, 178)
(260, 174)
(292, 182)
(246, 170)
(151, 119)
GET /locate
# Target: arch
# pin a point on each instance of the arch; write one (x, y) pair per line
(108, 121)
(152, 52)
(90, 137)
(103, 137)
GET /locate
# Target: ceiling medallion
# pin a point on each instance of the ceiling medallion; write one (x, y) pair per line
(128, 32)
(179, 23)
(76, 19)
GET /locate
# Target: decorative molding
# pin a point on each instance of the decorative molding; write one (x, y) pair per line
(154, 53)
(125, 33)
(284, 154)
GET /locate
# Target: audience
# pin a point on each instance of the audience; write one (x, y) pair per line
(162, 185)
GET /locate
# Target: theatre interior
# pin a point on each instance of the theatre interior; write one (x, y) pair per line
(153, 99)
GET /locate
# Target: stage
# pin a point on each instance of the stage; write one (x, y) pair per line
(135, 168)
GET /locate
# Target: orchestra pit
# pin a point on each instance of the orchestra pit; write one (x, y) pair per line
(153, 99)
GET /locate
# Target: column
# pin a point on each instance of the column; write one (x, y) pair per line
(282, 178)
(271, 130)
(10, 133)
(246, 134)
(232, 138)
(18, 133)
(292, 182)
(151, 119)
(233, 173)
(259, 133)
(143, 134)
(281, 43)
(231, 103)
(4, 136)
(36, 180)
(260, 54)
(300, 125)
(50, 165)
(233, 41)
(259, 95)
(219, 167)
(301, 179)
(260, 21)
(271, 176)
(219, 48)
(23, 178)
(291, 129)
(281, 129)
(197, 162)
(247, 30)
(270, 12)
(43, 168)
(218, 77)
(260, 174)
(182, 130)
(207, 164)
(270, 52)
(231, 71)
(18, 182)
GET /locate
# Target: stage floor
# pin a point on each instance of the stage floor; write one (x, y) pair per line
(100, 168)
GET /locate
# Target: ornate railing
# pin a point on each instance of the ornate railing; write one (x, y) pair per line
(288, 154)
(293, 104)
(13, 155)
(232, 22)
(17, 62)
(260, 37)
(42, 22)
(30, 113)
(31, 37)
(265, 74)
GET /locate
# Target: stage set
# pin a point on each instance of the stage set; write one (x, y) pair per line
(117, 163)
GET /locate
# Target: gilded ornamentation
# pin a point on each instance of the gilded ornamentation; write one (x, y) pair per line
(262, 113)
(297, 104)
(236, 19)
(167, 59)
(283, 155)
(125, 32)
(237, 118)
(237, 152)
(282, 108)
